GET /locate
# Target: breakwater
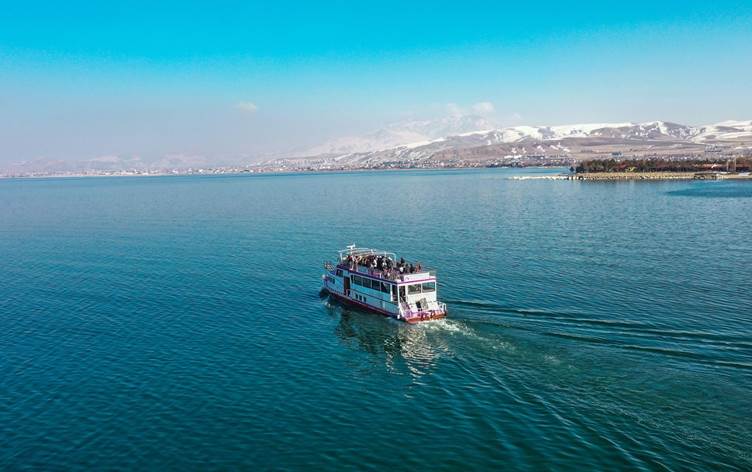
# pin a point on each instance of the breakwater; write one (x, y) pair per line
(618, 176)
(612, 176)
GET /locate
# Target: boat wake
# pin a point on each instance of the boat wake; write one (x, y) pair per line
(720, 349)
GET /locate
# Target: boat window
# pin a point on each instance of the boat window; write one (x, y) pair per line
(429, 287)
(366, 282)
(339, 272)
(356, 280)
(385, 287)
(413, 289)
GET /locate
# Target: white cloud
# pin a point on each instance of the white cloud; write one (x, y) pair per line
(248, 107)
(483, 108)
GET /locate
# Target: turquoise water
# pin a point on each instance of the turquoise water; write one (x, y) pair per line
(175, 323)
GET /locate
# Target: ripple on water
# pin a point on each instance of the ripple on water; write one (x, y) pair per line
(175, 323)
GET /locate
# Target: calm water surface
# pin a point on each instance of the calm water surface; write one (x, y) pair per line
(175, 323)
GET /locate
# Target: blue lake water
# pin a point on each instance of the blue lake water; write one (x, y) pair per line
(175, 323)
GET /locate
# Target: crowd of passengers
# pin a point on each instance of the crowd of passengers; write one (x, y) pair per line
(382, 265)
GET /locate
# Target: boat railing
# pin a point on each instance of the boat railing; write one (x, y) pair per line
(388, 274)
(362, 251)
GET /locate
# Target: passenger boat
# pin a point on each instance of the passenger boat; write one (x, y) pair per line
(376, 280)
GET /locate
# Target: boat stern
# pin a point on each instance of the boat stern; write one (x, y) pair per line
(413, 317)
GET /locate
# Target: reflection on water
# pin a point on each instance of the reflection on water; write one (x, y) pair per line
(415, 348)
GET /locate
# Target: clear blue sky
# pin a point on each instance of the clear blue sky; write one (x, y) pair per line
(85, 79)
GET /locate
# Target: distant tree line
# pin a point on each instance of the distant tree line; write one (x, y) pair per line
(663, 165)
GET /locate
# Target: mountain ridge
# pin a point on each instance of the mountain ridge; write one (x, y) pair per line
(726, 130)
(455, 140)
(575, 141)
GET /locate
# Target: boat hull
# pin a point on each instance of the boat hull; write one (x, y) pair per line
(411, 319)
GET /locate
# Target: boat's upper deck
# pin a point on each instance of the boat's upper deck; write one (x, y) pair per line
(383, 265)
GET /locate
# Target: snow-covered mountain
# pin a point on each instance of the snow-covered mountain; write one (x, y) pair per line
(421, 141)
(659, 130)
(724, 131)
(402, 133)
(457, 132)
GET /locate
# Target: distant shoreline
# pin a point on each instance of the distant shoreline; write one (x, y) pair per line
(582, 176)
(213, 172)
